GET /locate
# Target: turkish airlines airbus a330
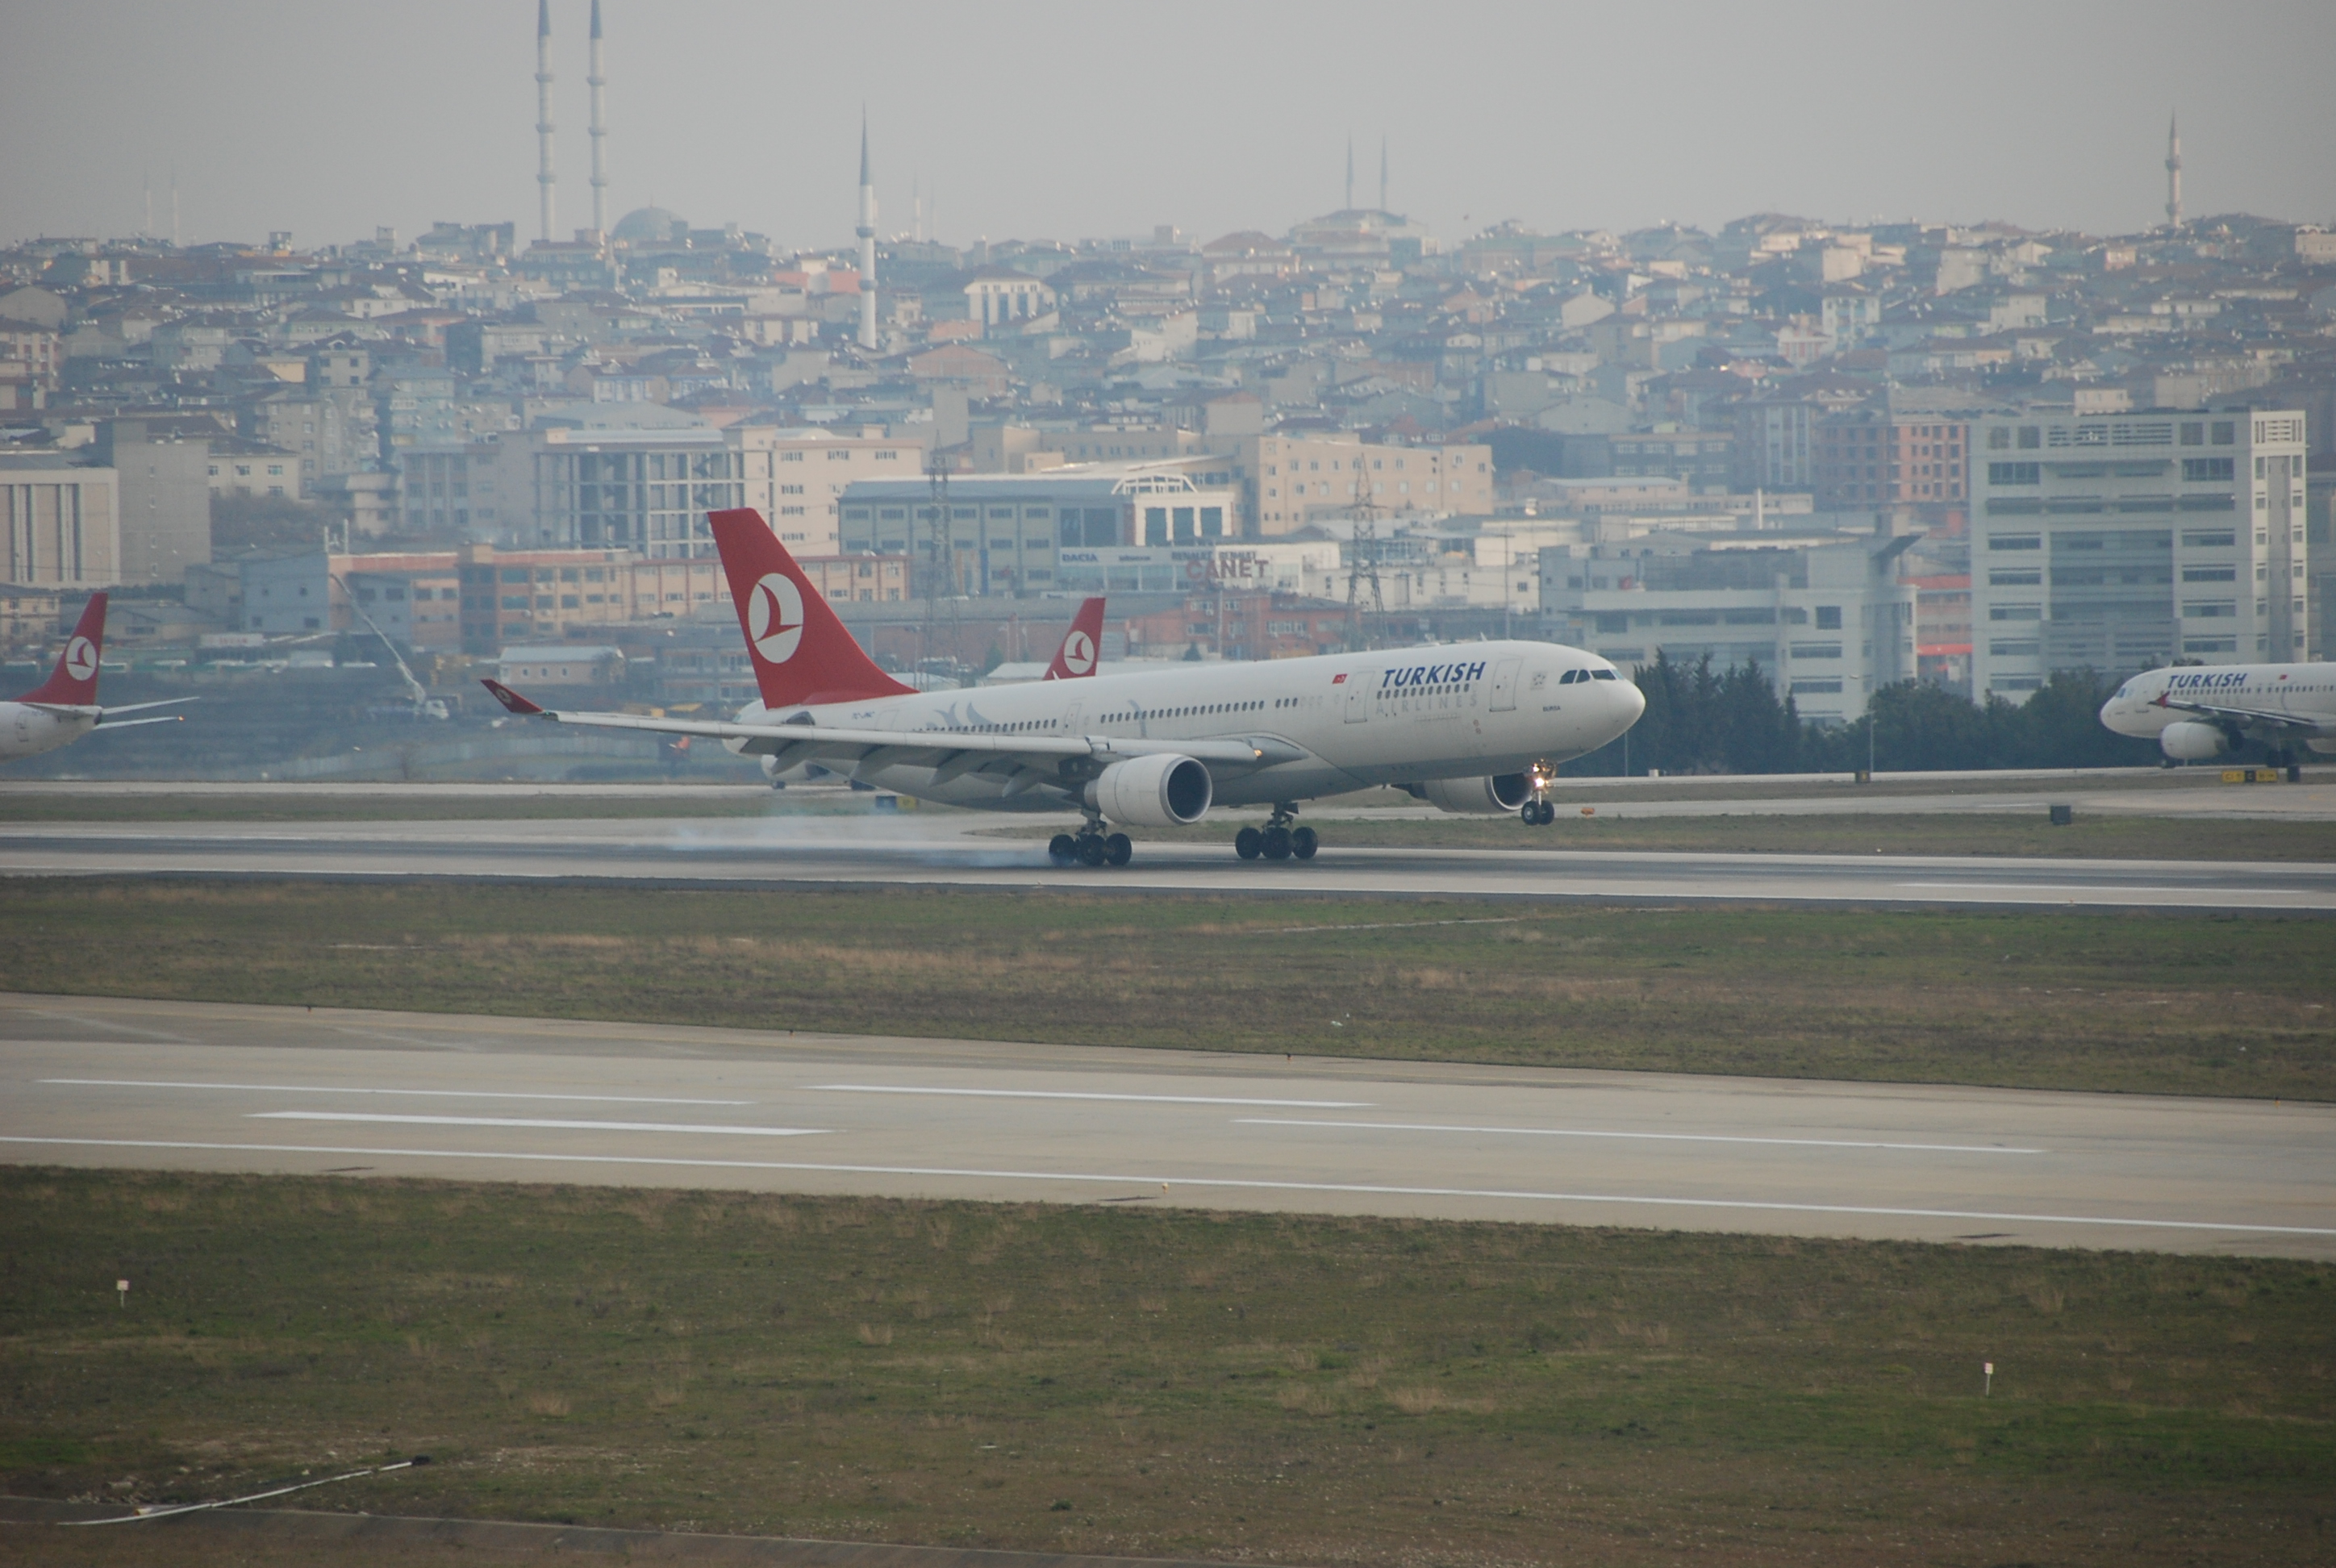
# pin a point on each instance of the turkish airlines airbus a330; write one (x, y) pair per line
(64, 707)
(1477, 728)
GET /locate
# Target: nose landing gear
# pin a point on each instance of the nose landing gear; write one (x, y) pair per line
(1277, 840)
(1537, 812)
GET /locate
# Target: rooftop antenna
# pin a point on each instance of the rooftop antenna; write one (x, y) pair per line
(1350, 171)
(543, 176)
(146, 193)
(599, 81)
(1383, 174)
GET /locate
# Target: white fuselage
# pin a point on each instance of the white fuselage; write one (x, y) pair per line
(28, 729)
(2305, 692)
(1342, 723)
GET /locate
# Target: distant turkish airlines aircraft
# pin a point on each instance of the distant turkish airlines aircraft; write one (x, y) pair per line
(64, 707)
(1478, 727)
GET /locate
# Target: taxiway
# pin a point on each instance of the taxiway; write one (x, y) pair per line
(105, 1083)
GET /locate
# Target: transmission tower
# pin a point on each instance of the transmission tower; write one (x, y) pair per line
(1363, 563)
(944, 561)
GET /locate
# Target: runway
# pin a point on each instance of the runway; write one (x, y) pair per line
(933, 849)
(103, 1082)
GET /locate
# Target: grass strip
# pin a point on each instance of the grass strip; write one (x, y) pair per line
(1187, 1383)
(2222, 1004)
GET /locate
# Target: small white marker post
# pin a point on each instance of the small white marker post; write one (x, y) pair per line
(1987, 1389)
(122, 1286)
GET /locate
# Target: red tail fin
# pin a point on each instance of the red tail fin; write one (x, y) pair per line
(75, 680)
(1082, 649)
(800, 651)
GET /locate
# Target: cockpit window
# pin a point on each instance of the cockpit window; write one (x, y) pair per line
(1601, 675)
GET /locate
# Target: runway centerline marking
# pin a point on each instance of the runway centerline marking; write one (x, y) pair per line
(527, 1122)
(1660, 1137)
(1212, 1182)
(1081, 1094)
(333, 1089)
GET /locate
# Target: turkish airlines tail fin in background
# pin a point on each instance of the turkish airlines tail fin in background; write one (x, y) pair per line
(1082, 649)
(801, 652)
(73, 683)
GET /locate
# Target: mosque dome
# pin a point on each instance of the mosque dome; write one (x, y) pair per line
(650, 224)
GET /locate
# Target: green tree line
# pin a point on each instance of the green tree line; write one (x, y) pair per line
(1702, 719)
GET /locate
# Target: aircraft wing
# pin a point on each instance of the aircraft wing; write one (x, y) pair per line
(952, 752)
(2293, 723)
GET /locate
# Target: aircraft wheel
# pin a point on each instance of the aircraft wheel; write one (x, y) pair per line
(1062, 848)
(1118, 850)
(1276, 843)
(1248, 844)
(1092, 851)
(1529, 814)
(1303, 843)
(1548, 813)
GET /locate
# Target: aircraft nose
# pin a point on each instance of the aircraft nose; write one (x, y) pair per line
(1634, 701)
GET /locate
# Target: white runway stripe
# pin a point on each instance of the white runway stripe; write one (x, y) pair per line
(525, 1122)
(1659, 1137)
(1207, 1183)
(333, 1089)
(1072, 1094)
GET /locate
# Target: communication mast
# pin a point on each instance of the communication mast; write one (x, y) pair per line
(943, 570)
(1363, 563)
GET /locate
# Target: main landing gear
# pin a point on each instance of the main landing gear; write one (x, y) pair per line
(1277, 840)
(1537, 812)
(1090, 847)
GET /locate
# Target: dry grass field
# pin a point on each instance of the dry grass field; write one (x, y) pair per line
(1253, 1386)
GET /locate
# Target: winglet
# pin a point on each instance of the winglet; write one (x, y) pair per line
(510, 699)
(1082, 650)
(73, 682)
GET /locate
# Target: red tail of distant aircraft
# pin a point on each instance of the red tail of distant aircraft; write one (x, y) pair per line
(801, 652)
(1082, 649)
(64, 707)
(73, 683)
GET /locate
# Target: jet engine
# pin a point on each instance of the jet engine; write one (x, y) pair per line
(1499, 796)
(2187, 740)
(1165, 791)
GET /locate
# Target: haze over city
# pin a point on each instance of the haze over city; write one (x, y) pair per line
(1065, 121)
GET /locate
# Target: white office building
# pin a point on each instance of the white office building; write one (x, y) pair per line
(2123, 541)
(1826, 615)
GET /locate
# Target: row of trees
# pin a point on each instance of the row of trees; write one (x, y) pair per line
(1700, 719)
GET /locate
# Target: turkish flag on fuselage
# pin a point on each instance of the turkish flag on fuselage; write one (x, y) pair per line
(801, 652)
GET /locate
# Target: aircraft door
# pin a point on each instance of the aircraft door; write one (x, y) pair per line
(1504, 697)
(1361, 686)
(1071, 718)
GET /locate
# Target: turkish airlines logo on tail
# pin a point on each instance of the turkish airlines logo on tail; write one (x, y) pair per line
(1079, 653)
(774, 617)
(81, 659)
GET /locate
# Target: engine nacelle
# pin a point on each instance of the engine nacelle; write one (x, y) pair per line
(2189, 741)
(1497, 795)
(1165, 791)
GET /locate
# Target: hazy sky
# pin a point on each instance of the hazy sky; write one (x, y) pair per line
(1032, 118)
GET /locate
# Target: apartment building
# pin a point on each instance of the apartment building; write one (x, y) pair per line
(2123, 541)
(1291, 482)
(1864, 460)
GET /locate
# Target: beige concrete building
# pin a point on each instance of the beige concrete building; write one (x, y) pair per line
(795, 476)
(61, 524)
(1292, 481)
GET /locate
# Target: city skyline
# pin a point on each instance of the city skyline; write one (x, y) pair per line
(1781, 119)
